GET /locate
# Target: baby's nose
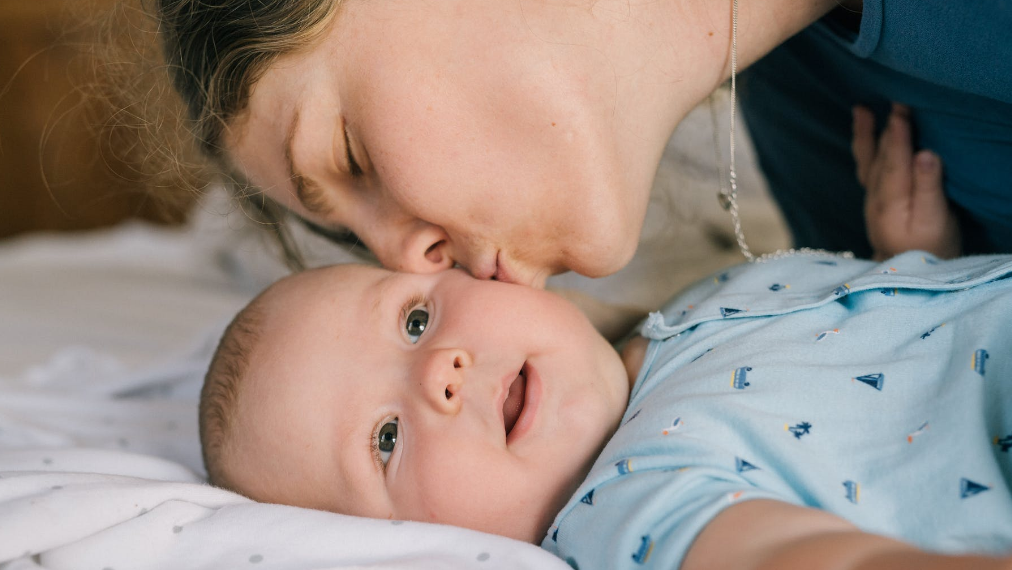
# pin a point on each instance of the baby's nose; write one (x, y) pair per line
(443, 379)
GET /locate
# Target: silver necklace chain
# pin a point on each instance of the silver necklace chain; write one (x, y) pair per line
(727, 196)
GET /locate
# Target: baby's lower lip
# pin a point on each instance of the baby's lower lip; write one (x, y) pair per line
(513, 405)
(532, 398)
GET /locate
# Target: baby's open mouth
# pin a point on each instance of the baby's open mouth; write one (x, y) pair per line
(514, 403)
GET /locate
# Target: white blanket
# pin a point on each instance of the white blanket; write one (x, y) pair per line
(71, 508)
(57, 512)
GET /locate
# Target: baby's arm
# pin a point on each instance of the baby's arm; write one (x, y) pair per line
(767, 534)
(905, 206)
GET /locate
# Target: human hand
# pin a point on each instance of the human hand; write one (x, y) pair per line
(905, 206)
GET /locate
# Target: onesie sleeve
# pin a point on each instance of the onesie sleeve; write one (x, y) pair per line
(646, 514)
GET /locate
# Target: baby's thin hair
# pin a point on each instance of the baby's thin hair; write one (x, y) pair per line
(220, 394)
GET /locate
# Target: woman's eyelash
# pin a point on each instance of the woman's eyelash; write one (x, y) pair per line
(343, 237)
(353, 166)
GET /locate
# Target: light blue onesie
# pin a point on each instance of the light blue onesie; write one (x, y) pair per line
(878, 392)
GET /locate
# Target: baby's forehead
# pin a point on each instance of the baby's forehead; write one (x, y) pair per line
(297, 312)
(305, 331)
(333, 301)
(347, 278)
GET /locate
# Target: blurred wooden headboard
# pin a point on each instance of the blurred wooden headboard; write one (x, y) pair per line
(52, 174)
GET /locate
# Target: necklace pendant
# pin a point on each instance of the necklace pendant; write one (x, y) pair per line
(724, 199)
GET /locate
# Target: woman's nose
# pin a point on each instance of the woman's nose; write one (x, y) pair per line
(442, 378)
(420, 247)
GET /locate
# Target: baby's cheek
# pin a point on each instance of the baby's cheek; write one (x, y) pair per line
(479, 492)
(444, 485)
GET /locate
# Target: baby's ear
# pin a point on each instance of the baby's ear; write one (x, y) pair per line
(612, 321)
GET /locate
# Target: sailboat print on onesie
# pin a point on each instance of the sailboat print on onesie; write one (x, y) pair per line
(874, 380)
(968, 488)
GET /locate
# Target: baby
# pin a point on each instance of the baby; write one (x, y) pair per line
(425, 397)
(811, 411)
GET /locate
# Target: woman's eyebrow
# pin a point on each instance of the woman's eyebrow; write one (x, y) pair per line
(307, 190)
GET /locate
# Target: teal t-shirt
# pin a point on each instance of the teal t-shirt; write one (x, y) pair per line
(881, 393)
(950, 62)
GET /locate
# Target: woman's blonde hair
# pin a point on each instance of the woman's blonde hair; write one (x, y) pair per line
(175, 74)
(216, 51)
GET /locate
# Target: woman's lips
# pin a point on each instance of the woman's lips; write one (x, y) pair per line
(509, 271)
(502, 271)
(493, 270)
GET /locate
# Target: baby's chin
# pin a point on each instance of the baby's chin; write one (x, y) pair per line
(539, 517)
(537, 525)
(531, 527)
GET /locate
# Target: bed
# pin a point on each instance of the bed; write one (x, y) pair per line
(104, 338)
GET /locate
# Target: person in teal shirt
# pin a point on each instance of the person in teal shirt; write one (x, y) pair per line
(946, 62)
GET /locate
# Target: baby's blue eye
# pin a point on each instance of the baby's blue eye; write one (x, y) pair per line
(415, 325)
(386, 440)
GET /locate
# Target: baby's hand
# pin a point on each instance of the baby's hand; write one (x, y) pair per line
(905, 207)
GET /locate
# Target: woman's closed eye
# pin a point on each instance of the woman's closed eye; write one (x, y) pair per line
(384, 440)
(343, 236)
(416, 319)
(353, 167)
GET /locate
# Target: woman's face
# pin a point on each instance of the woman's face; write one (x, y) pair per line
(453, 132)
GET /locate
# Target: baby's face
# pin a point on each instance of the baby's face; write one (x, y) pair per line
(434, 398)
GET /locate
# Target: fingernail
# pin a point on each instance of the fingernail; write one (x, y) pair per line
(926, 161)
